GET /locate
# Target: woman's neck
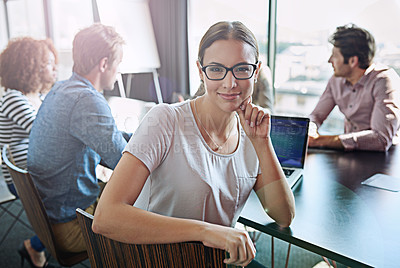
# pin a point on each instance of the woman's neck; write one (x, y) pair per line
(214, 119)
(34, 99)
(219, 130)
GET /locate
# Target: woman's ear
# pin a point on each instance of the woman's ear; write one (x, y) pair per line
(200, 71)
(257, 71)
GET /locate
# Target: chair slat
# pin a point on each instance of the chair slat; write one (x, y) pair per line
(105, 252)
(36, 213)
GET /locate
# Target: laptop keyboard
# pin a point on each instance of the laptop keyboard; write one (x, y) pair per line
(288, 172)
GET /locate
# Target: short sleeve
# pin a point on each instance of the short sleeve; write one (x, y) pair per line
(152, 139)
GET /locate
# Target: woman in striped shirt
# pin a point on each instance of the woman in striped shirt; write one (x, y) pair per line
(27, 70)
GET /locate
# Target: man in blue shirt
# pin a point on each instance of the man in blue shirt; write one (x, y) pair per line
(74, 130)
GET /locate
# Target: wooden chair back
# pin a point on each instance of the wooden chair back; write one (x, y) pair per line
(105, 252)
(37, 214)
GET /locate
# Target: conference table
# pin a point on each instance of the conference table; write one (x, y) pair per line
(337, 216)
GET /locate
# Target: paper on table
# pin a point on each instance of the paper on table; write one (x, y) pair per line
(383, 181)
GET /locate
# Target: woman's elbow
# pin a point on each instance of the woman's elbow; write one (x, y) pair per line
(285, 219)
(99, 224)
(285, 222)
(96, 227)
(289, 212)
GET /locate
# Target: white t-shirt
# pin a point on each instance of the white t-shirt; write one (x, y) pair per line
(188, 179)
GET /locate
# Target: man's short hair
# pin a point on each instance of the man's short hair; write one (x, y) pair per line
(92, 44)
(354, 41)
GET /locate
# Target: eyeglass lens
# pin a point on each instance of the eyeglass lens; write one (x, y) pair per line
(242, 71)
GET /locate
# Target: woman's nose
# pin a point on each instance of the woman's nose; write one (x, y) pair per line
(229, 80)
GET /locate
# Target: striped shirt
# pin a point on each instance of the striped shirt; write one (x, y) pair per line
(16, 118)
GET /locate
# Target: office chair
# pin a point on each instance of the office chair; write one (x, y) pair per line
(105, 252)
(37, 214)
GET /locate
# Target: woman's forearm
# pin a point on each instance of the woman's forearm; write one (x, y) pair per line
(272, 189)
(125, 223)
(128, 224)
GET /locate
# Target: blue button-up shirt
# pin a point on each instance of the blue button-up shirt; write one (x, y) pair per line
(74, 130)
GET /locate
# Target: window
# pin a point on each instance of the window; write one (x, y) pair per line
(204, 13)
(3, 27)
(302, 48)
(3, 35)
(25, 17)
(303, 28)
(67, 18)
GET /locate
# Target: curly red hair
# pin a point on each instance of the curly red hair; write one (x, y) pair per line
(22, 63)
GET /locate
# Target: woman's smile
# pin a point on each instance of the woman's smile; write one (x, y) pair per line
(229, 96)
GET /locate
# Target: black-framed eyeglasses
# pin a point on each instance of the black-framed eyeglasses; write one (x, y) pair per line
(241, 71)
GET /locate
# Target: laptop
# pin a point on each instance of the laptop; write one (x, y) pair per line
(289, 136)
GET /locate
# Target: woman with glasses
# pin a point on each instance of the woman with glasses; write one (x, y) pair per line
(262, 90)
(190, 167)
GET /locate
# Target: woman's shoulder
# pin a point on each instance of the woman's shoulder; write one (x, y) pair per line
(174, 110)
(12, 96)
(12, 93)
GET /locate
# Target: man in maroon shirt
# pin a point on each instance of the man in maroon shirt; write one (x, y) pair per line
(367, 94)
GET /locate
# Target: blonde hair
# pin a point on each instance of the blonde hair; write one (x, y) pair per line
(92, 44)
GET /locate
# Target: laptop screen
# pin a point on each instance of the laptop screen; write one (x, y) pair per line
(289, 137)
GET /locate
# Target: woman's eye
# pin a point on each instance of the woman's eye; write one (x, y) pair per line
(215, 69)
(243, 69)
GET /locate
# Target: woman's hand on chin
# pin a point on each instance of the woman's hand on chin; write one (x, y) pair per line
(254, 119)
